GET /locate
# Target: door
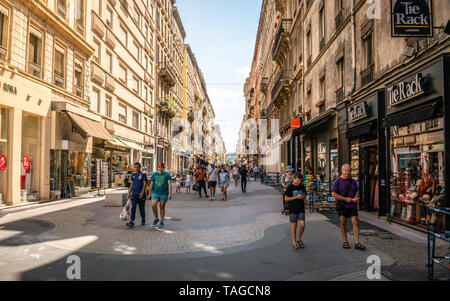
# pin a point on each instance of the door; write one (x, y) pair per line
(368, 178)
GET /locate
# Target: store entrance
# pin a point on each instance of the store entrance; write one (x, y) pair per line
(369, 177)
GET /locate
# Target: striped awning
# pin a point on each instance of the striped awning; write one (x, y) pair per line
(88, 128)
(129, 143)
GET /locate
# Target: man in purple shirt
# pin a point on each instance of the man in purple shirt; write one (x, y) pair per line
(346, 192)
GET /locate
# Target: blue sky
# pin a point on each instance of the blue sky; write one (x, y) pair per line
(222, 35)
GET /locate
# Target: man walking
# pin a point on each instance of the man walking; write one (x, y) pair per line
(346, 192)
(161, 192)
(136, 193)
(201, 175)
(212, 182)
(243, 172)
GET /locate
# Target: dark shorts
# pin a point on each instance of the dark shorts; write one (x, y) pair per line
(348, 212)
(212, 184)
(294, 217)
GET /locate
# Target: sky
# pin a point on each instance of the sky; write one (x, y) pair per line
(222, 35)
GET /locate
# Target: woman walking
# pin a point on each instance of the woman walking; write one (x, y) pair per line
(224, 178)
(188, 182)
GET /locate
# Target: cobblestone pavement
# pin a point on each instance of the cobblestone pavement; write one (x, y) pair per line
(245, 238)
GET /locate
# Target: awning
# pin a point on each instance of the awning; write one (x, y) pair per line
(425, 113)
(129, 143)
(88, 128)
(315, 123)
(117, 142)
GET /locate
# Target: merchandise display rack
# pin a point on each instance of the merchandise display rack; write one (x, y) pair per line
(433, 233)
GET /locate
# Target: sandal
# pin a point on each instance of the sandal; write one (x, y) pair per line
(360, 247)
(295, 247)
(346, 245)
(301, 244)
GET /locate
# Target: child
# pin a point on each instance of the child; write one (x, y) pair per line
(224, 178)
(178, 181)
(188, 182)
(295, 199)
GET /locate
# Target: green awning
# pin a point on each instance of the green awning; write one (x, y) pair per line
(436, 148)
(129, 143)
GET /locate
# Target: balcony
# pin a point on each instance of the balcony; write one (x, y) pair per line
(282, 42)
(281, 89)
(166, 74)
(367, 75)
(264, 85)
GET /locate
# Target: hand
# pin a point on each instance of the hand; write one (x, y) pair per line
(129, 196)
(349, 200)
(170, 196)
(141, 195)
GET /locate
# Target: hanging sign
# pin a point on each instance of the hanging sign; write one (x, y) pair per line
(296, 123)
(26, 162)
(2, 162)
(412, 18)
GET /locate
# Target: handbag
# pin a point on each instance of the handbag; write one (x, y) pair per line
(195, 187)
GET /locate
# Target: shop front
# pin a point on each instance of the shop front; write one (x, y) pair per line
(416, 123)
(362, 134)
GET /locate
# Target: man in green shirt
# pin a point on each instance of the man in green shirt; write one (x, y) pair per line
(161, 192)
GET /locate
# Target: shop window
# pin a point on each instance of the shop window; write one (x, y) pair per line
(35, 52)
(4, 32)
(59, 66)
(354, 155)
(334, 160)
(4, 145)
(417, 171)
(78, 77)
(31, 147)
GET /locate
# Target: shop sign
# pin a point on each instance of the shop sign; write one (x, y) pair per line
(2, 162)
(26, 162)
(296, 123)
(405, 91)
(358, 112)
(412, 18)
(7, 88)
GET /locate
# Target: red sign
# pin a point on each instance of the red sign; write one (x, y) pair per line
(2, 162)
(295, 124)
(26, 162)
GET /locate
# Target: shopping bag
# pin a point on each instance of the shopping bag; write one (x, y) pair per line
(126, 211)
(195, 187)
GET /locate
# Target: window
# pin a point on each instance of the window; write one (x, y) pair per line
(61, 8)
(98, 51)
(4, 32)
(151, 67)
(109, 16)
(145, 125)
(340, 73)
(134, 49)
(122, 113)
(123, 35)
(108, 62)
(135, 121)
(368, 50)
(78, 77)
(322, 22)
(323, 93)
(339, 5)
(145, 93)
(79, 16)
(35, 52)
(309, 43)
(96, 101)
(151, 127)
(59, 66)
(135, 84)
(108, 105)
(122, 74)
(151, 96)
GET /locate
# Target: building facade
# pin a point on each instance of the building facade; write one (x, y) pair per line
(331, 77)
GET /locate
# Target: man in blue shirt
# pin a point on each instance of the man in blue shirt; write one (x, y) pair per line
(137, 194)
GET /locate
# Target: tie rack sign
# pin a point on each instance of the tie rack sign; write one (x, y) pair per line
(412, 18)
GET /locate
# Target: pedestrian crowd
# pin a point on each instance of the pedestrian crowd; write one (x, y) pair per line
(345, 191)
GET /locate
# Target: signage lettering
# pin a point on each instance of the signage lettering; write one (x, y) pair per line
(405, 91)
(411, 18)
(357, 112)
(9, 89)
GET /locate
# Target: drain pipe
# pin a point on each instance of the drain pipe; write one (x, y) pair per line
(353, 47)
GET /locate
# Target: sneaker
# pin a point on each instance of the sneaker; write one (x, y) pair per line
(130, 224)
(143, 223)
(155, 222)
(161, 224)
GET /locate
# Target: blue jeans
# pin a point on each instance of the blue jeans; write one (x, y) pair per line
(135, 201)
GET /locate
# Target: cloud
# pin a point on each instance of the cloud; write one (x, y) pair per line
(244, 71)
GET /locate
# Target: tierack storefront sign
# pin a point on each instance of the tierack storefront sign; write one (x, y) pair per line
(405, 91)
(412, 18)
